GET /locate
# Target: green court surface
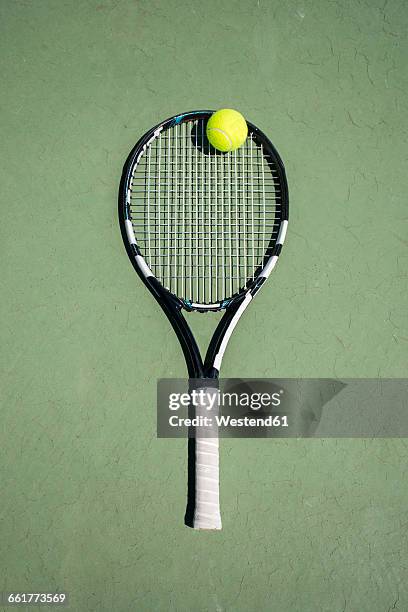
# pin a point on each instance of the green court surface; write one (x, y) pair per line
(91, 501)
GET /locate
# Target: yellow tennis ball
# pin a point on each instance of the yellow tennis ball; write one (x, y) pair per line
(227, 130)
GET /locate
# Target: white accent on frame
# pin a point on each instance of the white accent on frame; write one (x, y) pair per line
(206, 306)
(148, 143)
(282, 232)
(144, 268)
(129, 232)
(227, 336)
(269, 266)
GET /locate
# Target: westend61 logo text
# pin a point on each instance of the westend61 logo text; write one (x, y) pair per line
(214, 398)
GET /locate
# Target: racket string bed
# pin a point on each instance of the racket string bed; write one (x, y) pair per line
(194, 211)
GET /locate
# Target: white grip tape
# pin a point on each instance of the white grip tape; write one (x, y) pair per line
(207, 488)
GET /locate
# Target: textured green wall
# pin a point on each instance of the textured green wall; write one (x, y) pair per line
(91, 501)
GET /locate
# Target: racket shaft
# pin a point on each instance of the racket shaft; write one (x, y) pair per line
(207, 498)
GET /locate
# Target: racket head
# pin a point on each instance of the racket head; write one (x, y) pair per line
(202, 228)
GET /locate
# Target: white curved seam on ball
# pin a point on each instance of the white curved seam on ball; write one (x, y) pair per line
(223, 133)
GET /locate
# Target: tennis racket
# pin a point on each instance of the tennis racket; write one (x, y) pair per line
(203, 230)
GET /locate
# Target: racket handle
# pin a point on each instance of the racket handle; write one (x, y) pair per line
(207, 496)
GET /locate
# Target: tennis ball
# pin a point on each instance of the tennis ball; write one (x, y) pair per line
(227, 130)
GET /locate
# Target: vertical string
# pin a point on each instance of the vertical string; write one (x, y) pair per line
(230, 243)
(209, 297)
(168, 232)
(252, 208)
(190, 218)
(215, 225)
(237, 241)
(223, 275)
(183, 210)
(148, 205)
(244, 205)
(175, 205)
(158, 201)
(197, 261)
(263, 205)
